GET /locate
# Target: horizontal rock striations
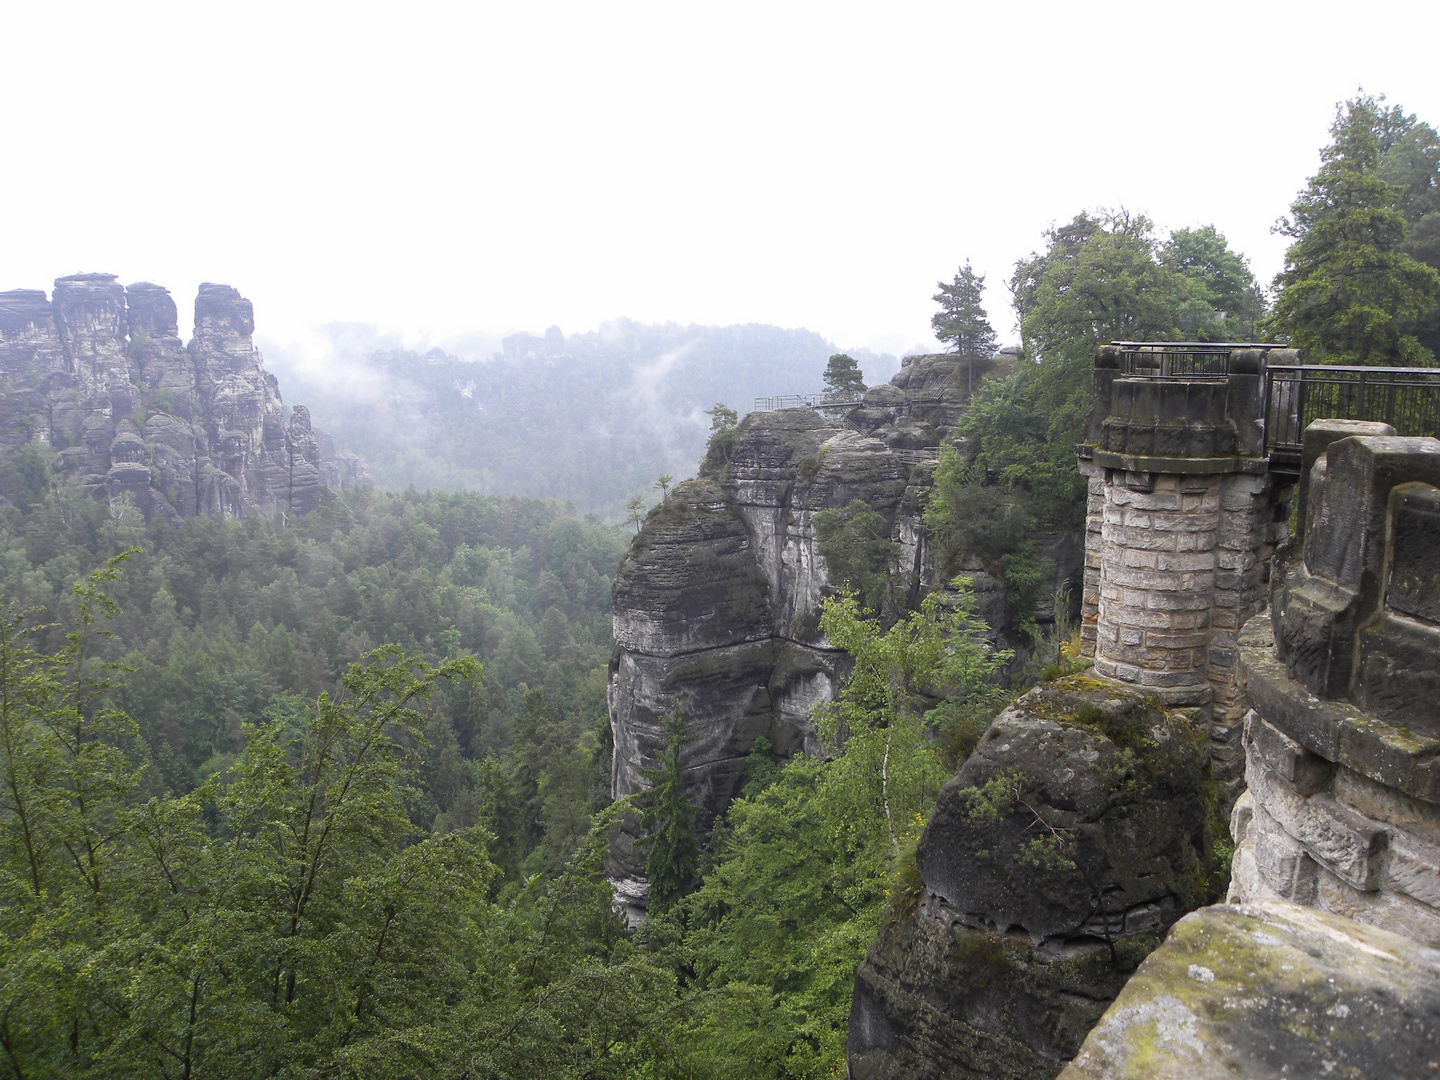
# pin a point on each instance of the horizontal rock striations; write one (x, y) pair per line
(99, 374)
(717, 605)
(1057, 857)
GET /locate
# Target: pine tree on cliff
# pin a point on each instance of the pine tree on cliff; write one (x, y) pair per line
(961, 321)
(843, 376)
(1349, 293)
(673, 860)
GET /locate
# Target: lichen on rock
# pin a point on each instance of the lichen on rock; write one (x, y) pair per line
(1270, 990)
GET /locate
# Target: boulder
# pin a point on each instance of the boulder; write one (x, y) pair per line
(1073, 837)
(1272, 990)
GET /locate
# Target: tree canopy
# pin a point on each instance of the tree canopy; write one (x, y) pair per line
(843, 376)
(1225, 302)
(961, 321)
(1352, 292)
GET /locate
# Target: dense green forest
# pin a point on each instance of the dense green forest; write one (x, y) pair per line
(590, 419)
(331, 798)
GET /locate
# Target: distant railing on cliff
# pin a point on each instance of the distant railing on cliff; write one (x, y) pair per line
(805, 401)
(916, 457)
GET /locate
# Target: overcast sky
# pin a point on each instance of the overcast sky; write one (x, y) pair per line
(442, 168)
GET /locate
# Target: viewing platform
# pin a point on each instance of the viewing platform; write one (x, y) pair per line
(807, 401)
(1292, 395)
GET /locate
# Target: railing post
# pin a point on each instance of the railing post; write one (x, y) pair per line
(1300, 402)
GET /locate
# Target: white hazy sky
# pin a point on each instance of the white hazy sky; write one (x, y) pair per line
(443, 168)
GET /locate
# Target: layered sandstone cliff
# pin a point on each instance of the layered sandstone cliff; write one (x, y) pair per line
(99, 373)
(717, 604)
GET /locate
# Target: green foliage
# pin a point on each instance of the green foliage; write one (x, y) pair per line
(28, 473)
(762, 768)
(855, 543)
(673, 854)
(815, 859)
(228, 623)
(936, 656)
(961, 321)
(1101, 278)
(287, 917)
(968, 516)
(1225, 304)
(843, 376)
(1350, 292)
(722, 418)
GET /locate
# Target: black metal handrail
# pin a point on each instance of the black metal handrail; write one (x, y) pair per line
(1408, 399)
(1182, 359)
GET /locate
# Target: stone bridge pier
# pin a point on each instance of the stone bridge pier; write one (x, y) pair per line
(1184, 514)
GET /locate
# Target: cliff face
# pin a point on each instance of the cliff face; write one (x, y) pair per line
(99, 373)
(717, 605)
(1054, 861)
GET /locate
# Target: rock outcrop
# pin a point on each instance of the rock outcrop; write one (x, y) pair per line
(1057, 857)
(100, 375)
(1341, 815)
(1271, 990)
(717, 605)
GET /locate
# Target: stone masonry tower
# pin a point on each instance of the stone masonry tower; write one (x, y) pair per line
(1184, 513)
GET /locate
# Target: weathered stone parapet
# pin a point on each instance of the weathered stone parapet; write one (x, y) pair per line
(1343, 808)
(1343, 685)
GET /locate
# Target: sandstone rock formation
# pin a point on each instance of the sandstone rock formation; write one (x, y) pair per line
(716, 607)
(99, 374)
(1342, 809)
(1342, 679)
(1056, 858)
(1328, 700)
(1271, 990)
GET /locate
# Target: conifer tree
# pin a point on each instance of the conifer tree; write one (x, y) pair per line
(674, 852)
(843, 376)
(1349, 293)
(961, 321)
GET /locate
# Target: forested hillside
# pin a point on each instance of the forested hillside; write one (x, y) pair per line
(328, 796)
(589, 419)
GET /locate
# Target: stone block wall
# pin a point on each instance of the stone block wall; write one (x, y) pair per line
(1182, 519)
(1342, 735)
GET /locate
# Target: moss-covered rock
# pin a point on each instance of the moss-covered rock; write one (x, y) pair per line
(1079, 830)
(1272, 990)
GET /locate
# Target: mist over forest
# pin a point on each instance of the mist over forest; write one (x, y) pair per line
(527, 705)
(590, 418)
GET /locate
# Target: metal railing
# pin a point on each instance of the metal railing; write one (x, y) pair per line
(1180, 359)
(917, 457)
(804, 401)
(1408, 399)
